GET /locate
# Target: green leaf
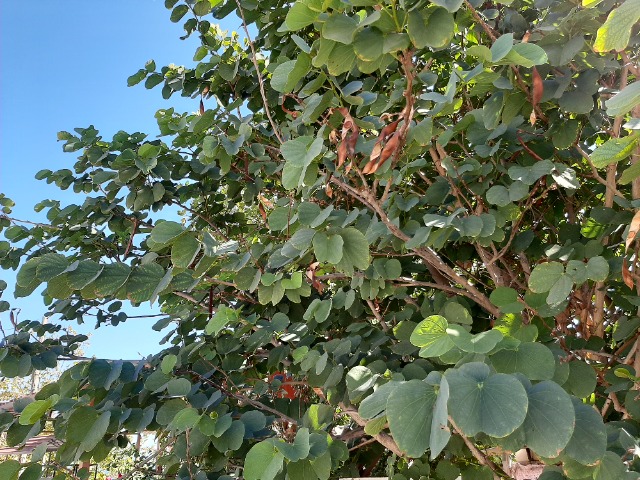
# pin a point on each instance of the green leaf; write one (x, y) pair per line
(178, 387)
(263, 462)
(298, 155)
(143, 281)
(440, 432)
(185, 419)
(167, 364)
(184, 250)
(531, 174)
(544, 276)
(614, 150)
(549, 423)
(501, 47)
(34, 411)
(624, 101)
(287, 75)
(165, 232)
(533, 360)
(51, 265)
(27, 274)
(113, 276)
(430, 30)
(328, 248)
(376, 403)
(451, 5)
(224, 315)
(297, 450)
(355, 250)
(369, 44)
(480, 402)
(610, 467)
(431, 336)
(410, 412)
(482, 342)
(299, 16)
(526, 55)
(498, 195)
(582, 379)
(560, 290)
(9, 469)
(85, 273)
(340, 28)
(589, 440)
(95, 432)
(597, 269)
(614, 34)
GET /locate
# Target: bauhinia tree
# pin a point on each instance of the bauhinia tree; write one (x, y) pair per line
(405, 245)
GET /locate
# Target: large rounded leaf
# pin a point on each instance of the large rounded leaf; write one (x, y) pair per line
(410, 411)
(531, 359)
(481, 402)
(589, 440)
(431, 335)
(550, 419)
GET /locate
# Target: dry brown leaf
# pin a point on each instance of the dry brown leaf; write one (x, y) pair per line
(342, 153)
(626, 274)
(351, 143)
(634, 227)
(201, 107)
(329, 191)
(536, 95)
(263, 212)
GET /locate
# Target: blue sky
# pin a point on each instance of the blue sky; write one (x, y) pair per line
(64, 64)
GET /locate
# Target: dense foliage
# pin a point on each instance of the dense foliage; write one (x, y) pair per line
(405, 245)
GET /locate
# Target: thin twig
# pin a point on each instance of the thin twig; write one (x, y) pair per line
(254, 60)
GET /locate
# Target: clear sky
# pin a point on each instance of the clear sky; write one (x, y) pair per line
(64, 64)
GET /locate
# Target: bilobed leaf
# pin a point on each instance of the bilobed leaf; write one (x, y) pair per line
(451, 5)
(328, 248)
(482, 342)
(369, 44)
(498, 195)
(430, 29)
(533, 360)
(597, 269)
(164, 232)
(431, 336)
(501, 47)
(287, 75)
(544, 276)
(526, 55)
(224, 315)
(34, 411)
(614, 34)
(27, 273)
(143, 281)
(297, 450)
(560, 290)
(355, 250)
(95, 432)
(298, 154)
(340, 28)
(184, 250)
(113, 276)
(185, 419)
(263, 462)
(611, 466)
(85, 273)
(614, 150)
(376, 403)
(440, 432)
(51, 265)
(589, 440)
(582, 379)
(481, 402)
(410, 412)
(550, 419)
